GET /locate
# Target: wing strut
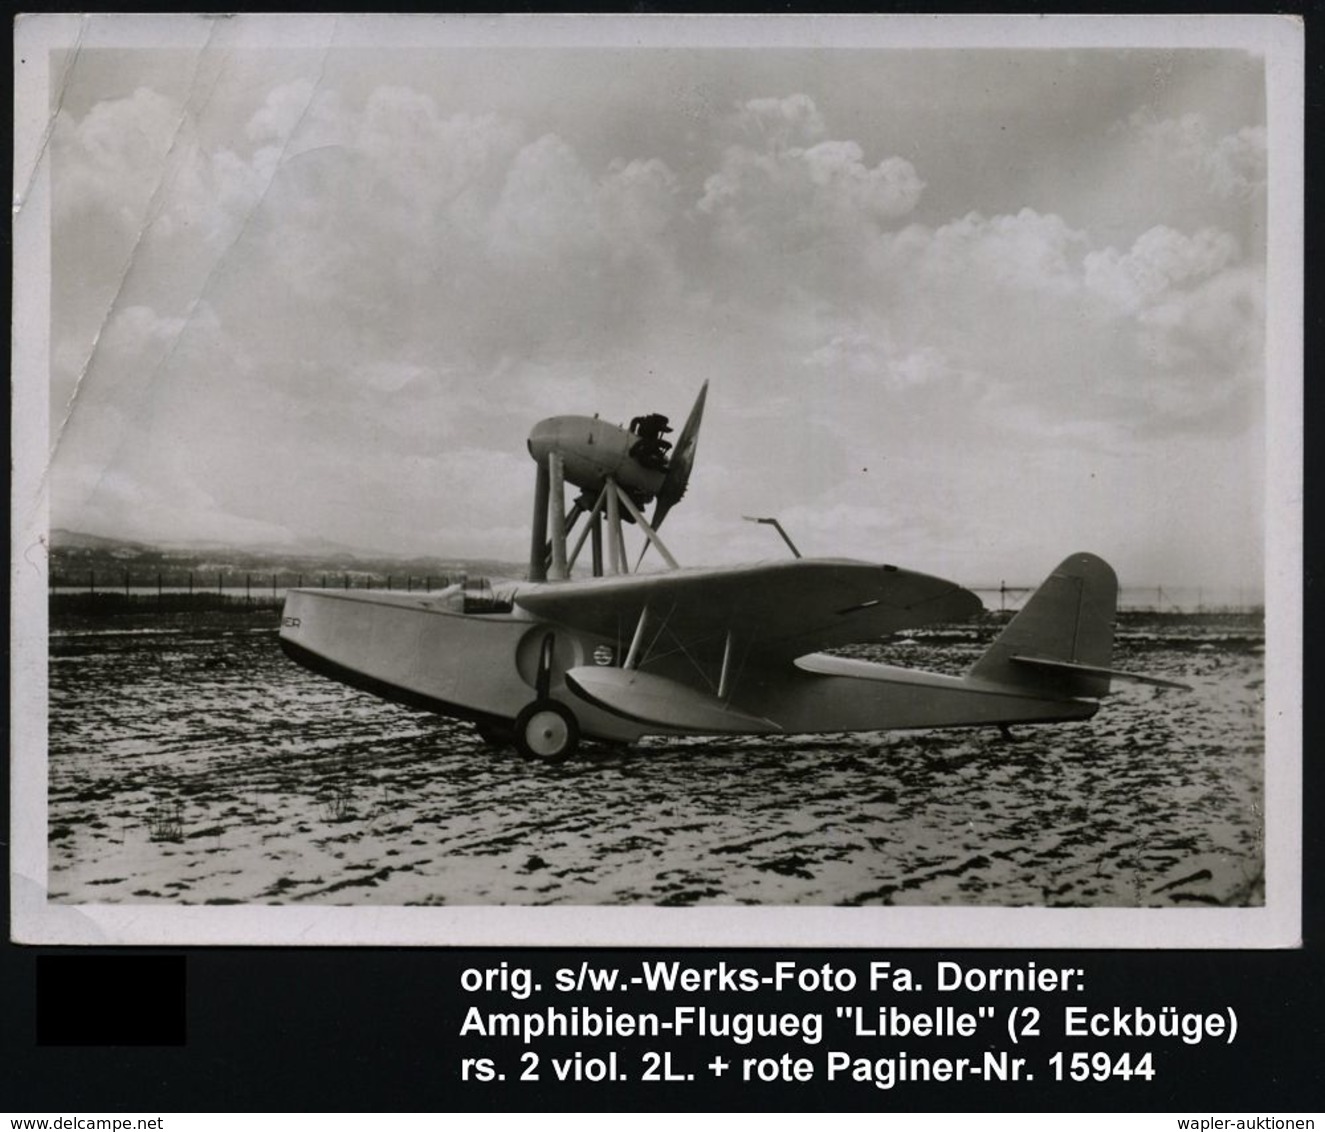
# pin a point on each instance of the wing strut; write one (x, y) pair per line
(632, 657)
(649, 532)
(559, 570)
(616, 552)
(593, 526)
(538, 532)
(724, 679)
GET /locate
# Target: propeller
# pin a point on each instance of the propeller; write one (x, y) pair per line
(683, 460)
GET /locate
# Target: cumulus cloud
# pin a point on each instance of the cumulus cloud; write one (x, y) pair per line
(1028, 251)
(638, 202)
(546, 208)
(433, 161)
(281, 112)
(778, 123)
(843, 182)
(791, 195)
(121, 375)
(1237, 164)
(434, 223)
(1231, 166)
(554, 214)
(1160, 259)
(1021, 320)
(113, 159)
(1215, 327)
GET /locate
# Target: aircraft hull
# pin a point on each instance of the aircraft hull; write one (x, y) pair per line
(409, 649)
(847, 695)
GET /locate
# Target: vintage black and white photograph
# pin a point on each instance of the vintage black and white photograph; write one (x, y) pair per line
(770, 481)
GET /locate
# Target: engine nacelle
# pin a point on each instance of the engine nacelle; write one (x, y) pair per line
(591, 450)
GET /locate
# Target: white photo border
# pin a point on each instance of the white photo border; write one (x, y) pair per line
(34, 920)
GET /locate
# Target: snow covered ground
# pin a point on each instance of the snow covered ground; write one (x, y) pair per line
(190, 762)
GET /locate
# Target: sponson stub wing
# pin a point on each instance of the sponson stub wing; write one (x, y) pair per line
(775, 611)
(656, 700)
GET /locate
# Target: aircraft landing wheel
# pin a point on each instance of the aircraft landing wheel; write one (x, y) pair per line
(546, 731)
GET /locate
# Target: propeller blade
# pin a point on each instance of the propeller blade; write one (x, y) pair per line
(682, 463)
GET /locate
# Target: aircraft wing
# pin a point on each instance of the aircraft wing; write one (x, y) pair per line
(776, 610)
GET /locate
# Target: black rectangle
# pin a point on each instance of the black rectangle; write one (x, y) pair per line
(111, 1000)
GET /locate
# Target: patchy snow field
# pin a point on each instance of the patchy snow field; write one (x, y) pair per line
(190, 762)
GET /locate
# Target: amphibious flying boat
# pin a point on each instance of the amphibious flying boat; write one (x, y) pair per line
(613, 654)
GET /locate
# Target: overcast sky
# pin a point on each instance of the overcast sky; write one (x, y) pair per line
(965, 311)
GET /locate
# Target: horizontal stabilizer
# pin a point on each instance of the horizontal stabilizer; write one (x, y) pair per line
(648, 698)
(1092, 670)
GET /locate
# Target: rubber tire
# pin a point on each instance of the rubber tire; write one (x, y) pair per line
(544, 739)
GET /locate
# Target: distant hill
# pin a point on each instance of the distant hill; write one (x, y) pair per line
(78, 540)
(77, 558)
(69, 540)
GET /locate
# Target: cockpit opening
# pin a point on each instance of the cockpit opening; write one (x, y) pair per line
(478, 595)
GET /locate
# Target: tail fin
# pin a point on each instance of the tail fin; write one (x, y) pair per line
(1061, 642)
(1062, 639)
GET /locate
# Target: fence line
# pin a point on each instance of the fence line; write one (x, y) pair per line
(1004, 598)
(246, 587)
(250, 587)
(250, 580)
